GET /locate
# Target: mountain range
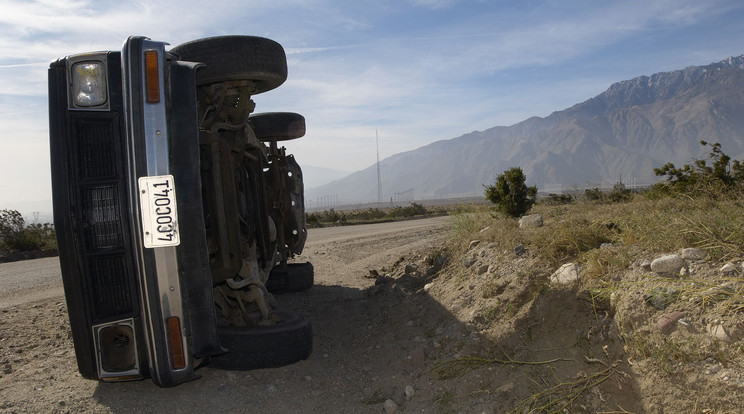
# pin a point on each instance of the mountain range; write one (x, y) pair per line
(619, 135)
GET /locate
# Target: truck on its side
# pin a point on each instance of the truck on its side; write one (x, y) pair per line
(177, 211)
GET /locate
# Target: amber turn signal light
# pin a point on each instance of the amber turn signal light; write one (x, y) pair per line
(152, 78)
(178, 358)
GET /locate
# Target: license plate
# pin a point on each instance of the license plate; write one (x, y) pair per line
(159, 215)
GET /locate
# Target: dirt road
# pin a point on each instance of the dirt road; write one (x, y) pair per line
(370, 345)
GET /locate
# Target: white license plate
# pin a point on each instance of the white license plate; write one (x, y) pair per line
(159, 213)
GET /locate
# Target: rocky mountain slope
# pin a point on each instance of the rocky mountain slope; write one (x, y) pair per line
(621, 134)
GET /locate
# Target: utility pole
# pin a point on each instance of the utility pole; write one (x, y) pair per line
(379, 181)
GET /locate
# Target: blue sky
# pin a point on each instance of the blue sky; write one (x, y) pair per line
(417, 71)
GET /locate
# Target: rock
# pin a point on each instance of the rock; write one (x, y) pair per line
(532, 220)
(693, 253)
(492, 268)
(506, 388)
(469, 261)
(605, 245)
(473, 244)
(408, 393)
(418, 358)
(713, 369)
(614, 297)
(722, 333)
(566, 275)
(389, 407)
(428, 286)
(373, 274)
(646, 265)
(481, 269)
(729, 269)
(670, 264)
(668, 323)
(519, 249)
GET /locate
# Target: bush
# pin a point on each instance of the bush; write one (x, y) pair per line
(722, 175)
(15, 236)
(511, 194)
(558, 199)
(593, 194)
(619, 194)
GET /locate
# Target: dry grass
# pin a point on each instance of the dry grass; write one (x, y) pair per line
(608, 240)
(574, 232)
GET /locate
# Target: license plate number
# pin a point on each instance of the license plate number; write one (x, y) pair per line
(159, 213)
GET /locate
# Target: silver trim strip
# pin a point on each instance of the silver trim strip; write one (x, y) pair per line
(157, 163)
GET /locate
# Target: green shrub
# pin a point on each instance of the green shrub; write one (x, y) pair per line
(593, 194)
(720, 176)
(15, 236)
(511, 194)
(619, 194)
(558, 199)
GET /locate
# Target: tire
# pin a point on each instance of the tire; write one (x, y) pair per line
(265, 346)
(278, 126)
(296, 278)
(230, 58)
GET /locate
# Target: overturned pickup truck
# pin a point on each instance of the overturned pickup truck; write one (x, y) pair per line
(176, 210)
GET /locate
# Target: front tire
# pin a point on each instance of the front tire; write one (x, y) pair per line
(265, 346)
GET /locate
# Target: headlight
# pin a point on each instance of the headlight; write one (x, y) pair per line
(88, 83)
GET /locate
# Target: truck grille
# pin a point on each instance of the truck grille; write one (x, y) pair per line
(96, 149)
(101, 221)
(111, 286)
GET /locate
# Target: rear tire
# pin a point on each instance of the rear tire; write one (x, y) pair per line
(278, 126)
(265, 346)
(297, 277)
(230, 58)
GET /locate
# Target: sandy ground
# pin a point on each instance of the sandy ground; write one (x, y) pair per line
(366, 348)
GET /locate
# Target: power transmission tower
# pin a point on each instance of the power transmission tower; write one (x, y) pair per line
(379, 181)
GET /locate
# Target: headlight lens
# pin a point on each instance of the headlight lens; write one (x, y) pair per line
(88, 84)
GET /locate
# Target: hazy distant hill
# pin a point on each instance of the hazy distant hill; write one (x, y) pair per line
(317, 176)
(621, 134)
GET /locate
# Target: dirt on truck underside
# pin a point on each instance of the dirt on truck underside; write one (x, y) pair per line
(401, 326)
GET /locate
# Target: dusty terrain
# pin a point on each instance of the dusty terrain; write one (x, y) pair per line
(400, 326)
(366, 347)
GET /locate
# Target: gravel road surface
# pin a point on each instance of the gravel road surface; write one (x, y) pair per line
(369, 345)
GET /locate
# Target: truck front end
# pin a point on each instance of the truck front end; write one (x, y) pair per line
(128, 213)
